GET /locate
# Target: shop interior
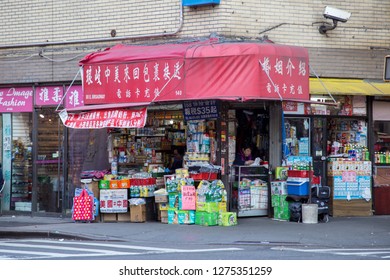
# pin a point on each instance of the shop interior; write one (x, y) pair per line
(381, 189)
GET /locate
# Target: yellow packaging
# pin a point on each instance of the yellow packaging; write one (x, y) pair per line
(222, 207)
(228, 219)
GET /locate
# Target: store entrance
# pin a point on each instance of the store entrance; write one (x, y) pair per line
(252, 130)
(248, 179)
(49, 161)
(319, 147)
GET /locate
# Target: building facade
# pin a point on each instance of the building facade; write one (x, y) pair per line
(43, 42)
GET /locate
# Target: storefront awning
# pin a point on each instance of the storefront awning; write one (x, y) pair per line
(197, 70)
(348, 87)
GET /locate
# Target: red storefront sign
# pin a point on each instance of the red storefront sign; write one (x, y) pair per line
(137, 82)
(121, 118)
(200, 70)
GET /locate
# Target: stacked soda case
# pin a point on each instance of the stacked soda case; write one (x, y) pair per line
(142, 187)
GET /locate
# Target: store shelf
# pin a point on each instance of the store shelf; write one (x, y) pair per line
(251, 200)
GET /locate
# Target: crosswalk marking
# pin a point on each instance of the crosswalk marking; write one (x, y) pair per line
(51, 248)
(342, 251)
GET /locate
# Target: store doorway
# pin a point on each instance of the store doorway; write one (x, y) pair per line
(253, 130)
(320, 147)
(49, 161)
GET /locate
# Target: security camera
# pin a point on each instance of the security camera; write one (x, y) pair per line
(336, 14)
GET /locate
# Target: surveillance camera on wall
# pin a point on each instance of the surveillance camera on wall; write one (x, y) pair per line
(336, 14)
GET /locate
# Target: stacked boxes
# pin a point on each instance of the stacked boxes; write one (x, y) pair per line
(161, 199)
(176, 214)
(278, 200)
(211, 205)
(204, 206)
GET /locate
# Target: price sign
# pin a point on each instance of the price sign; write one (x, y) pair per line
(188, 198)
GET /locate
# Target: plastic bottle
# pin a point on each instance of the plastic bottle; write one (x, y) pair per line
(114, 167)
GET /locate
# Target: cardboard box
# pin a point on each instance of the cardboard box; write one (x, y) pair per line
(94, 187)
(104, 184)
(124, 183)
(108, 217)
(160, 198)
(114, 184)
(228, 219)
(351, 208)
(163, 206)
(123, 217)
(164, 213)
(138, 213)
(279, 187)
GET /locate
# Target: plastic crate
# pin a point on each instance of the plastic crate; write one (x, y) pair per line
(297, 188)
(196, 176)
(209, 176)
(204, 176)
(299, 173)
(142, 181)
(316, 180)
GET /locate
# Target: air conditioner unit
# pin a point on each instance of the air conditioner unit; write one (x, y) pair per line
(191, 3)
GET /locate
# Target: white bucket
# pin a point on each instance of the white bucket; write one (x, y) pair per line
(309, 213)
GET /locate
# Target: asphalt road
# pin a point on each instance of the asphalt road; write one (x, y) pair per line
(70, 249)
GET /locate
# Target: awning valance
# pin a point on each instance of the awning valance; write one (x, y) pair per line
(197, 70)
(348, 87)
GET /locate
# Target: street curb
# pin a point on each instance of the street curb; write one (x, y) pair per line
(53, 234)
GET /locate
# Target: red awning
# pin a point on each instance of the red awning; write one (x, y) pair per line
(196, 70)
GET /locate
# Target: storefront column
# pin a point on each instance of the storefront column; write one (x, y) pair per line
(7, 160)
(64, 156)
(275, 128)
(34, 195)
(223, 144)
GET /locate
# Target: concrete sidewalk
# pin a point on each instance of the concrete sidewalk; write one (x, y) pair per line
(373, 231)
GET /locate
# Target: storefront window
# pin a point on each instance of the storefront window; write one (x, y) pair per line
(297, 136)
(21, 182)
(49, 161)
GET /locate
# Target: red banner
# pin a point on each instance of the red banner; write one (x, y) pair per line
(121, 118)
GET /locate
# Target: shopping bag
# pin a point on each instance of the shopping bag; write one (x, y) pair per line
(83, 207)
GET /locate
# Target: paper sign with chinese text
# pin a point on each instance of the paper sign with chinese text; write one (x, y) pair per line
(188, 198)
(121, 118)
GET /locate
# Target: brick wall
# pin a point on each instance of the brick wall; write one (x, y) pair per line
(353, 49)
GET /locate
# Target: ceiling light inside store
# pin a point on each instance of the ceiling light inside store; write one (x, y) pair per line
(42, 116)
